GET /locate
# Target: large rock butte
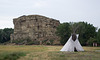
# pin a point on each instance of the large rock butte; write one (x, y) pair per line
(36, 28)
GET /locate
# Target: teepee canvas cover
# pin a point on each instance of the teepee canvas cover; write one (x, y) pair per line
(72, 45)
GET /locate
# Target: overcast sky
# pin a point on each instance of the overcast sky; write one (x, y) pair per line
(62, 10)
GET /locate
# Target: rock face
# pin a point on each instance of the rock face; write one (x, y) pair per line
(35, 28)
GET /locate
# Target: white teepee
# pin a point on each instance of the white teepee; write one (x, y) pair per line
(70, 45)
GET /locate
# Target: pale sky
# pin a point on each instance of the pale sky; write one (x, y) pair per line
(62, 10)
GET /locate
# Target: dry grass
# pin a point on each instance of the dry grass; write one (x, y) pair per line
(38, 52)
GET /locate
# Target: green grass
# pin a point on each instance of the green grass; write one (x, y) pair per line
(41, 52)
(11, 56)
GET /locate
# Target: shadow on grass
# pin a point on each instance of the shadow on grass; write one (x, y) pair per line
(12, 56)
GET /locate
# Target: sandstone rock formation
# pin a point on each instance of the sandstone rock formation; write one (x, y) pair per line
(37, 28)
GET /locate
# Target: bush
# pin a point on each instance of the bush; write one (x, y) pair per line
(91, 41)
(26, 41)
(47, 43)
(51, 41)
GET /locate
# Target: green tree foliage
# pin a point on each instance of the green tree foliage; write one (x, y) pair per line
(63, 30)
(91, 41)
(98, 36)
(85, 31)
(5, 34)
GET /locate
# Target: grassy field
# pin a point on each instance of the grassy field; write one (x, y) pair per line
(41, 52)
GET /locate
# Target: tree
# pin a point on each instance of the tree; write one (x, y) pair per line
(91, 41)
(5, 34)
(98, 36)
(85, 31)
(64, 31)
(1, 39)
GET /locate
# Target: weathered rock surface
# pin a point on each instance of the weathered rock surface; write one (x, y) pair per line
(36, 28)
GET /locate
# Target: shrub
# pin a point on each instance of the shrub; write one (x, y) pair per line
(91, 41)
(26, 41)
